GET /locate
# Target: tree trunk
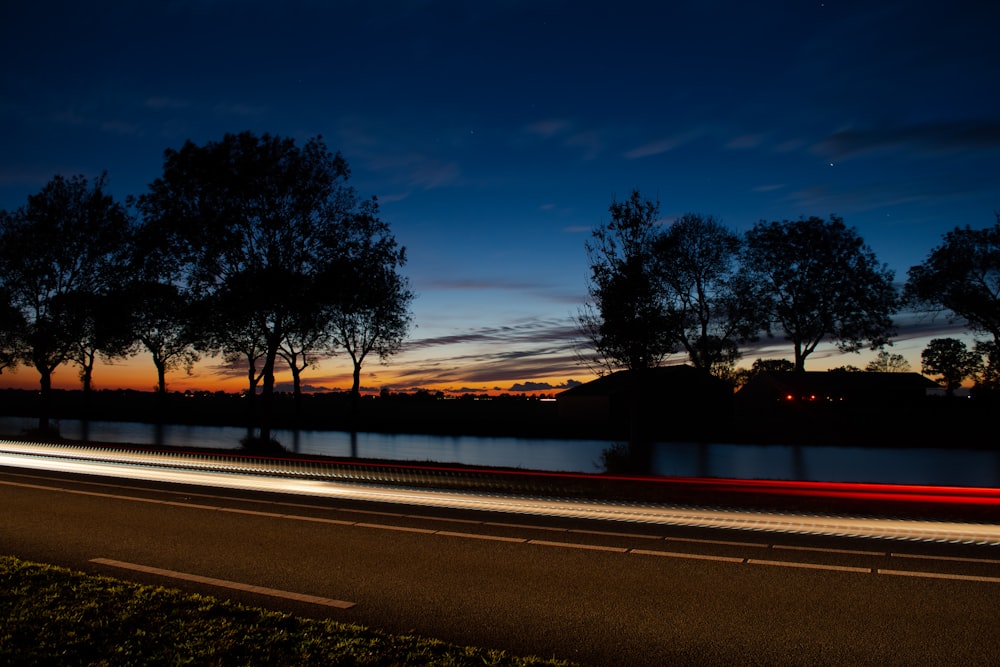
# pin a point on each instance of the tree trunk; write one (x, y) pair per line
(44, 400)
(356, 387)
(251, 394)
(87, 371)
(800, 359)
(267, 400)
(355, 396)
(161, 377)
(267, 393)
(640, 447)
(296, 389)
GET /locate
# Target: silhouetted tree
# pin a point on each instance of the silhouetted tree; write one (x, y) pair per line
(988, 373)
(103, 330)
(162, 321)
(962, 275)
(741, 376)
(11, 323)
(951, 359)
(626, 322)
(884, 362)
(771, 366)
(715, 308)
(821, 282)
(164, 317)
(370, 308)
(259, 218)
(305, 343)
(56, 252)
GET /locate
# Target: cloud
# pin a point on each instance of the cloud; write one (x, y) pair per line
(927, 139)
(289, 387)
(664, 145)
(590, 142)
(241, 110)
(521, 387)
(547, 129)
(121, 128)
(654, 148)
(745, 142)
(165, 103)
(430, 174)
(535, 331)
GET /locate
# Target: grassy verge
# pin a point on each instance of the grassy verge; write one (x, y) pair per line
(50, 615)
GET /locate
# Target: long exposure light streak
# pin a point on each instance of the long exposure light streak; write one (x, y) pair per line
(237, 474)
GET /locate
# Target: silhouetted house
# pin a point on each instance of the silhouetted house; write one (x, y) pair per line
(857, 390)
(833, 407)
(674, 401)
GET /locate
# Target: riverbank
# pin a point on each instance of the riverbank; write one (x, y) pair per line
(932, 422)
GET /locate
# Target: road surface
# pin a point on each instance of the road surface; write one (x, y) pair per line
(595, 591)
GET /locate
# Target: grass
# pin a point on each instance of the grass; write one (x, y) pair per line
(51, 615)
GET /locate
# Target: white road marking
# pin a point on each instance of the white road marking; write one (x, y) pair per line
(939, 575)
(728, 543)
(480, 536)
(957, 559)
(575, 545)
(677, 554)
(222, 583)
(809, 566)
(853, 552)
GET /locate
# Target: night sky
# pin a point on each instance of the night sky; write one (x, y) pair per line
(496, 133)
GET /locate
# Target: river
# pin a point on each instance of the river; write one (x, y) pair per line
(944, 466)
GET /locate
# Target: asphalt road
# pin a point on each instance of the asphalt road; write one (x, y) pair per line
(595, 592)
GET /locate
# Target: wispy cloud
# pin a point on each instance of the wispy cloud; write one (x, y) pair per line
(745, 142)
(652, 148)
(549, 128)
(664, 145)
(534, 332)
(238, 109)
(165, 103)
(923, 139)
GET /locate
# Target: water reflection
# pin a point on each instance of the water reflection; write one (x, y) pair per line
(825, 464)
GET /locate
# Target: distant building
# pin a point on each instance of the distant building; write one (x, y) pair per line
(859, 390)
(674, 401)
(834, 407)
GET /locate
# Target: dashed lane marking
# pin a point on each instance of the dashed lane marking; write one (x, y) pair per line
(957, 559)
(479, 536)
(938, 575)
(575, 545)
(809, 566)
(852, 552)
(223, 583)
(677, 554)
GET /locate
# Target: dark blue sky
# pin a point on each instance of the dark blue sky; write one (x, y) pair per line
(495, 134)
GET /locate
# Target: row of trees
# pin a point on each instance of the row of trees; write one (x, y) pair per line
(696, 287)
(253, 248)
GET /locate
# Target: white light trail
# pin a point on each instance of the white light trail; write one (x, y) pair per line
(156, 468)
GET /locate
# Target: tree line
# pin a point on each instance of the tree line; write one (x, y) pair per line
(696, 287)
(253, 248)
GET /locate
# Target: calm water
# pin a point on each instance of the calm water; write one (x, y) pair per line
(828, 464)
